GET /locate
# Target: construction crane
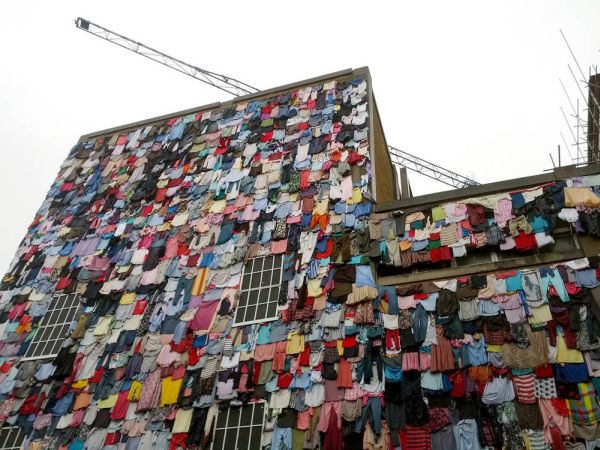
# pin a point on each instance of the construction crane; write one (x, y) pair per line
(237, 88)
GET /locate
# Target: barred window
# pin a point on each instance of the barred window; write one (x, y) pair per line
(261, 284)
(53, 327)
(240, 428)
(11, 438)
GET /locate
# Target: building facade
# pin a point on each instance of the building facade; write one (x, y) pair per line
(245, 275)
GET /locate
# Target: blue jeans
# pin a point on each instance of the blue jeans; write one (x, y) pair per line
(281, 437)
(371, 412)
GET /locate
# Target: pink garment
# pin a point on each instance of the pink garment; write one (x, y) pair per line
(504, 212)
(407, 302)
(410, 361)
(551, 417)
(346, 188)
(326, 410)
(171, 247)
(278, 247)
(150, 393)
(264, 352)
(166, 357)
(204, 316)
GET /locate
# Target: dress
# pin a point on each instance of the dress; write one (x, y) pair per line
(441, 354)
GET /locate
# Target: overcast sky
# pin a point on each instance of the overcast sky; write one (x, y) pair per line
(470, 85)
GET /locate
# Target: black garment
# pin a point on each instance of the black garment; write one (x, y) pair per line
(415, 407)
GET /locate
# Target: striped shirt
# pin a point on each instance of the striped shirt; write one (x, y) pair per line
(525, 388)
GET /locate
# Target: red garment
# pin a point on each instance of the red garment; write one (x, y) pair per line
(327, 252)
(178, 440)
(284, 380)
(435, 254)
(32, 404)
(525, 242)
(256, 372)
(458, 384)
(446, 254)
(349, 341)
(557, 440)
(119, 411)
(183, 345)
(140, 307)
(112, 438)
(544, 371)
(392, 340)
(267, 136)
(304, 357)
(344, 378)
(505, 275)
(560, 406)
(417, 438)
(334, 439)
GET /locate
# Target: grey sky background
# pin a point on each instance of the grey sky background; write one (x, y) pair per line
(470, 85)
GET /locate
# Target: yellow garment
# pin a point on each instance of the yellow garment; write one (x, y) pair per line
(492, 348)
(438, 213)
(405, 245)
(540, 315)
(314, 287)
(526, 440)
(581, 196)
(80, 384)
(183, 420)
(295, 343)
(170, 390)
(321, 207)
(356, 196)
(109, 402)
(199, 285)
(134, 391)
(217, 206)
(340, 347)
(103, 326)
(565, 354)
(127, 298)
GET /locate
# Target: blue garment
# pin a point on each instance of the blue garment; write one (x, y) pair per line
(176, 131)
(264, 334)
(362, 209)
(301, 381)
(183, 286)
(514, 283)
(586, 278)
(281, 436)
(517, 200)
(476, 353)
(364, 276)
(571, 373)
(392, 298)
(62, 404)
(539, 224)
(371, 412)
(77, 444)
(551, 277)
(419, 245)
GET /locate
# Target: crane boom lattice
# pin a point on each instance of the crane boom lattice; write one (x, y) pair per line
(238, 88)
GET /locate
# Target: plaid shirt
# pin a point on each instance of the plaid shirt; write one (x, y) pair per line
(585, 410)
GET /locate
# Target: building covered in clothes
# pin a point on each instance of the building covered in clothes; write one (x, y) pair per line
(248, 274)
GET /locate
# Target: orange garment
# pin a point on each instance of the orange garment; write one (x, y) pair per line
(344, 379)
